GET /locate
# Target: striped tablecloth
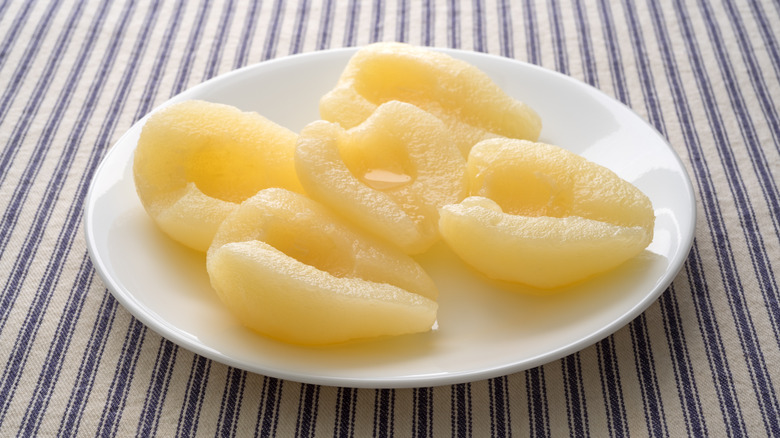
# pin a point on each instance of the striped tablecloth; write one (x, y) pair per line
(704, 359)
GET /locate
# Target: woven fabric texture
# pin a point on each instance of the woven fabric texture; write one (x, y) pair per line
(700, 361)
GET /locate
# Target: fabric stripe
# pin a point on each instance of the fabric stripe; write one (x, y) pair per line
(643, 357)
(384, 409)
(307, 411)
(14, 29)
(722, 376)
(768, 38)
(194, 396)
(161, 380)
(326, 25)
(57, 351)
(4, 7)
(612, 388)
(272, 33)
(613, 52)
(270, 403)
(112, 413)
(301, 18)
(683, 368)
(353, 17)
(231, 401)
(643, 67)
(248, 34)
(216, 50)
(422, 425)
(346, 404)
(461, 410)
(505, 28)
(500, 416)
(531, 33)
(196, 33)
(538, 412)
(559, 44)
(585, 44)
(576, 402)
(453, 24)
(85, 377)
(402, 21)
(428, 23)
(23, 67)
(479, 24)
(162, 59)
(377, 21)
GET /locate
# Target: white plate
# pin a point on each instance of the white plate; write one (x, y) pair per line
(485, 328)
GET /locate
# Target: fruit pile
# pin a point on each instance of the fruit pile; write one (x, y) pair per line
(310, 236)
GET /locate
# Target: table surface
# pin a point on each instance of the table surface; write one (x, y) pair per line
(701, 360)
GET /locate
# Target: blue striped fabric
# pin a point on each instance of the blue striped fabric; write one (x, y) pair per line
(701, 361)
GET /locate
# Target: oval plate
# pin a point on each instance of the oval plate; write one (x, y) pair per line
(485, 328)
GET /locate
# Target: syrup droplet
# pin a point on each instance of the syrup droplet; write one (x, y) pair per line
(382, 179)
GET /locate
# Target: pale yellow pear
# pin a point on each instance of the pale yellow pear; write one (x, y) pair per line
(543, 216)
(290, 269)
(388, 175)
(196, 160)
(472, 105)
